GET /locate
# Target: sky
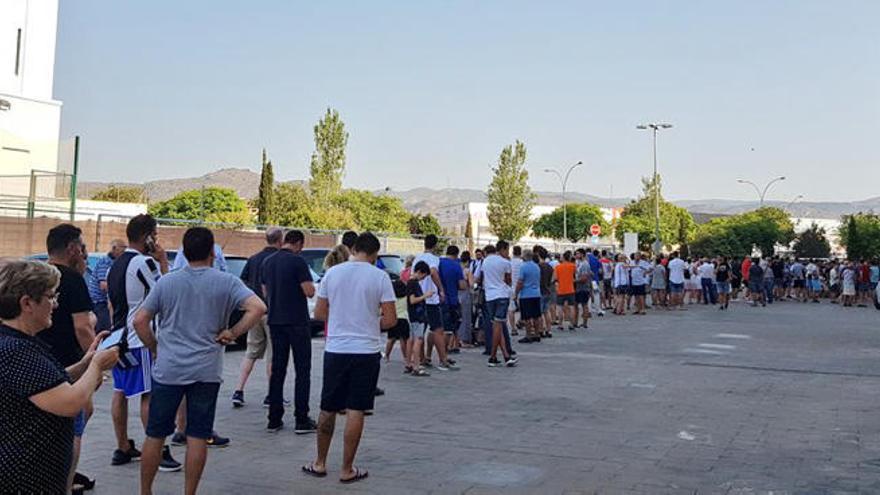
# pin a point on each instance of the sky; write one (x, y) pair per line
(431, 91)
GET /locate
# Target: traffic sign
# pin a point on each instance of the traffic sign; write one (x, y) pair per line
(595, 229)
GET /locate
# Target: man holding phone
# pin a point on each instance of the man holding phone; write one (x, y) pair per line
(131, 278)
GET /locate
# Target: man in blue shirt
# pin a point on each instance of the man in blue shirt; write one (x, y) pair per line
(287, 285)
(528, 290)
(452, 279)
(219, 260)
(97, 282)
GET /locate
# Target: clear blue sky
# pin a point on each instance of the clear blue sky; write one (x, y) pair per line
(431, 91)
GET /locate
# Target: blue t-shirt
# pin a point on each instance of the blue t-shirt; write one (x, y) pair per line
(96, 276)
(450, 274)
(283, 272)
(595, 266)
(530, 276)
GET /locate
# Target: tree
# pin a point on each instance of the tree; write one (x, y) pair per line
(211, 204)
(265, 203)
(376, 213)
(510, 197)
(295, 207)
(328, 160)
(860, 235)
(121, 194)
(812, 243)
(677, 226)
(424, 225)
(580, 217)
(739, 235)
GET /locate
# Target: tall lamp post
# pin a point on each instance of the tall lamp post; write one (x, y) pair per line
(654, 127)
(762, 193)
(564, 180)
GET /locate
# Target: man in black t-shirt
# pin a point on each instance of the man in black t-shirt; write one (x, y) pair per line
(73, 323)
(288, 284)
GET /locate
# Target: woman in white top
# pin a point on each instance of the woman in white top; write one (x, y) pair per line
(692, 286)
(621, 284)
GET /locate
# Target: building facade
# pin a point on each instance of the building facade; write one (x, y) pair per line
(30, 119)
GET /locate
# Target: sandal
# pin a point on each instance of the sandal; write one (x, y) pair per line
(358, 476)
(84, 481)
(420, 372)
(310, 470)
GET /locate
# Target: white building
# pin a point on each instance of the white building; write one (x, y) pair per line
(454, 220)
(831, 226)
(30, 119)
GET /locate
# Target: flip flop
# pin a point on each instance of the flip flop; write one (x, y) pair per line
(310, 470)
(84, 481)
(358, 476)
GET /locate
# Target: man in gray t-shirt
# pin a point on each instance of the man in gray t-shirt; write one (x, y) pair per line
(192, 307)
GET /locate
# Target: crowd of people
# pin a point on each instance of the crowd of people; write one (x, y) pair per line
(160, 332)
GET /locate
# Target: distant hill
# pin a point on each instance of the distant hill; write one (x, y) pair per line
(425, 200)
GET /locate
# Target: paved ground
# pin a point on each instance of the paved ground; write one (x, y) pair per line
(776, 400)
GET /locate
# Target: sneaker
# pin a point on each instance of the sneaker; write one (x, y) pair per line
(455, 351)
(536, 340)
(238, 398)
(121, 457)
(305, 426)
(179, 438)
(274, 426)
(379, 392)
(217, 441)
(494, 363)
(510, 363)
(451, 366)
(266, 402)
(526, 340)
(451, 361)
(168, 464)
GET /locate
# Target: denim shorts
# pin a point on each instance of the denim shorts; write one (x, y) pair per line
(723, 287)
(561, 299)
(79, 423)
(416, 330)
(676, 288)
(497, 308)
(201, 403)
(545, 303)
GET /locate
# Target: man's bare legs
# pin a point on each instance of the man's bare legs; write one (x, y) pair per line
(119, 414)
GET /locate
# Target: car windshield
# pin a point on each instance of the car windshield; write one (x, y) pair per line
(315, 260)
(235, 265)
(393, 264)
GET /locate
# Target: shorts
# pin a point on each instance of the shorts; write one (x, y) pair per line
(136, 380)
(450, 316)
(435, 318)
(530, 308)
(607, 286)
(497, 309)
(637, 290)
(561, 299)
(723, 287)
(676, 288)
(864, 286)
(416, 329)
(201, 403)
(545, 303)
(799, 283)
(622, 290)
(815, 285)
(79, 423)
(755, 287)
(582, 297)
(779, 283)
(349, 381)
(259, 341)
(400, 331)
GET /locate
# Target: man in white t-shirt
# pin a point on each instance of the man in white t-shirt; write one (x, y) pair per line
(676, 268)
(707, 281)
(496, 276)
(356, 299)
(516, 263)
(433, 314)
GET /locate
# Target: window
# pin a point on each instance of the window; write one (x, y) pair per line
(17, 51)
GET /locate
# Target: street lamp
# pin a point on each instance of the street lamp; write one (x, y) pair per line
(654, 127)
(761, 192)
(564, 181)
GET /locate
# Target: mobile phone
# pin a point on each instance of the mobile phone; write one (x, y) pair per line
(150, 244)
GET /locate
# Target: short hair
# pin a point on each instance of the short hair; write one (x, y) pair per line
(452, 250)
(408, 261)
(528, 255)
(294, 237)
(198, 244)
(61, 236)
(19, 278)
(367, 243)
(274, 235)
(566, 256)
(517, 250)
(674, 254)
(501, 245)
(465, 256)
(581, 250)
(399, 288)
(140, 227)
(117, 242)
(422, 267)
(489, 249)
(348, 238)
(595, 252)
(430, 241)
(339, 254)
